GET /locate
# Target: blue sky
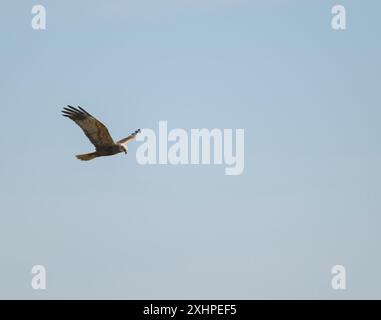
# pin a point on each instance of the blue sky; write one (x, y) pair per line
(308, 98)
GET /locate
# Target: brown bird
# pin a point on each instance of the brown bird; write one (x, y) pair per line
(97, 133)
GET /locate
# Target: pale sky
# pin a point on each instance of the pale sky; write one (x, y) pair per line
(307, 96)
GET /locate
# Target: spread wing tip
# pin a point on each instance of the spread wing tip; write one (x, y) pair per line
(74, 113)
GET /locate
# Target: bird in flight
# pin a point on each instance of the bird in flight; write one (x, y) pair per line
(97, 133)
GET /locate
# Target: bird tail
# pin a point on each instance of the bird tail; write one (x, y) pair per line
(87, 156)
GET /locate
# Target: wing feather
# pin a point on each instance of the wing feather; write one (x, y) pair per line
(130, 137)
(95, 130)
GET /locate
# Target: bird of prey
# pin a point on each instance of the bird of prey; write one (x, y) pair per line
(97, 133)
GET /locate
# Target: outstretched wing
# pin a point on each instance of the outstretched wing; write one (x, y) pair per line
(95, 130)
(132, 136)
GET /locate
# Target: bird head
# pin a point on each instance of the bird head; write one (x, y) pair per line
(123, 149)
